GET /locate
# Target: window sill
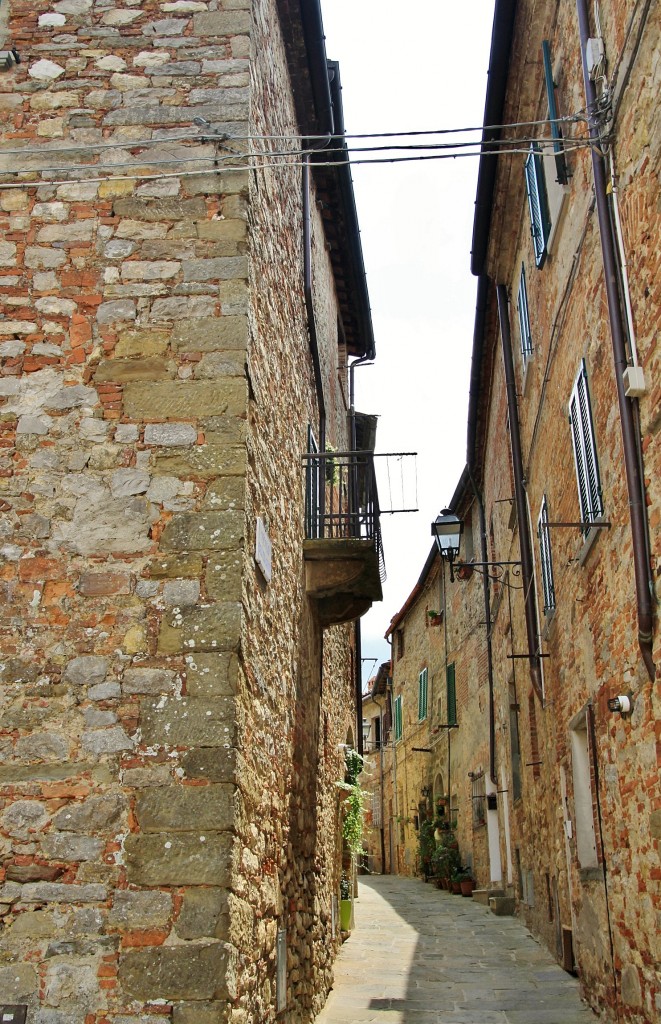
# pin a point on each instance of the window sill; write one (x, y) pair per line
(589, 541)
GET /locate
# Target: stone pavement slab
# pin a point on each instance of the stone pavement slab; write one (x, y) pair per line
(422, 956)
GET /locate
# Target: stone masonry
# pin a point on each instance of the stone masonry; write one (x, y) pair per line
(170, 717)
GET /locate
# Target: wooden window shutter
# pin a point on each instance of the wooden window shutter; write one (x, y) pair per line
(524, 316)
(585, 449)
(540, 223)
(452, 695)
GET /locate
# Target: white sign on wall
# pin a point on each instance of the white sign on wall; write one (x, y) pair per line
(263, 550)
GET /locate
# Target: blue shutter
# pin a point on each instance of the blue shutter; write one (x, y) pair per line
(524, 316)
(585, 450)
(545, 557)
(452, 694)
(540, 223)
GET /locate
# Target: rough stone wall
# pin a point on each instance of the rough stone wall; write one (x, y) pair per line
(161, 706)
(591, 642)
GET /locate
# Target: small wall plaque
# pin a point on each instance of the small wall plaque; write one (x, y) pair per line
(13, 1014)
(263, 550)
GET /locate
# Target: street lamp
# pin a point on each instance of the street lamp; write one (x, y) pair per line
(446, 529)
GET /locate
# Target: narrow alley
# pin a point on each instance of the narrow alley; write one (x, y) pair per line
(421, 956)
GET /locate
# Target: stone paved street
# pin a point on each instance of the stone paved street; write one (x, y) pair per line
(421, 956)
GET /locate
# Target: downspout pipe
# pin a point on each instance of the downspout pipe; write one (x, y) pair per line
(487, 619)
(527, 576)
(634, 479)
(309, 303)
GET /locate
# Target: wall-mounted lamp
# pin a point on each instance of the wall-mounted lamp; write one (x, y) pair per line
(447, 529)
(622, 703)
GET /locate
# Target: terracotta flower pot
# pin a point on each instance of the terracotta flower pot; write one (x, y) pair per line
(467, 886)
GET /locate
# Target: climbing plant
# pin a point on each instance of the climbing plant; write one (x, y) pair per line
(353, 803)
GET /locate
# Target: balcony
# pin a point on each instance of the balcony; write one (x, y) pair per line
(344, 566)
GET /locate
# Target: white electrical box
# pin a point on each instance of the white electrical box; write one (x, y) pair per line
(634, 382)
(594, 54)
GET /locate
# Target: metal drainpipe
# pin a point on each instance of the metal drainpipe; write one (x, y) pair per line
(309, 305)
(487, 620)
(635, 482)
(519, 495)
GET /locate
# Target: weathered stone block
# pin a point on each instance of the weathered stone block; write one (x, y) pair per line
(139, 910)
(87, 670)
(224, 268)
(18, 983)
(176, 566)
(179, 859)
(201, 1013)
(209, 628)
(60, 892)
(205, 460)
(210, 764)
(186, 808)
(204, 914)
(223, 575)
(188, 722)
(52, 772)
(175, 972)
(68, 847)
(198, 531)
(180, 400)
(43, 746)
(144, 343)
(121, 370)
(211, 334)
(149, 680)
(161, 209)
(211, 675)
(181, 593)
(97, 813)
(222, 23)
(170, 434)
(106, 741)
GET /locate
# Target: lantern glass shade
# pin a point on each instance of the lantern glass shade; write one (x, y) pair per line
(447, 528)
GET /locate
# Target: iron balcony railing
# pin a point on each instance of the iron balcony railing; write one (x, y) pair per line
(341, 500)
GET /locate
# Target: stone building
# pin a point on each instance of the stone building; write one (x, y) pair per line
(556, 686)
(180, 308)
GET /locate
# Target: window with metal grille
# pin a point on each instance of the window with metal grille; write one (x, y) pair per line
(524, 317)
(540, 222)
(585, 450)
(545, 557)
(313, 487)
(451, 694)
(422, 695)
(479, 800)
(398, 718)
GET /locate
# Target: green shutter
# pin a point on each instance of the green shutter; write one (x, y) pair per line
(524, 316)
(452, 695)
(422, 695)
(556, 133)
(540, 222)
(398, 718)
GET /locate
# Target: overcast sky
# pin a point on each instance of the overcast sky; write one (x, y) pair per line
(415, 67)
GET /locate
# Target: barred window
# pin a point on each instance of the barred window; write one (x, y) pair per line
(479, 800)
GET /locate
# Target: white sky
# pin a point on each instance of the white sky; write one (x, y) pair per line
(416, 67)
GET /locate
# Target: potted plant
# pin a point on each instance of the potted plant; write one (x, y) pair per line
(455, 883)
(345, 903)
(426, 848)
(466, 883)
(435, 618)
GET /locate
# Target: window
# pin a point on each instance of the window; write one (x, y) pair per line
(422, 695)
(479, 799)
(312, 490)
(451, 694)
(545, 557)
(524, 317)
(398, 718)
(540, 222)
(399, 643)
(556, 131)
(585, 451)
(515, 746)
(586, 841)
(376, 732)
